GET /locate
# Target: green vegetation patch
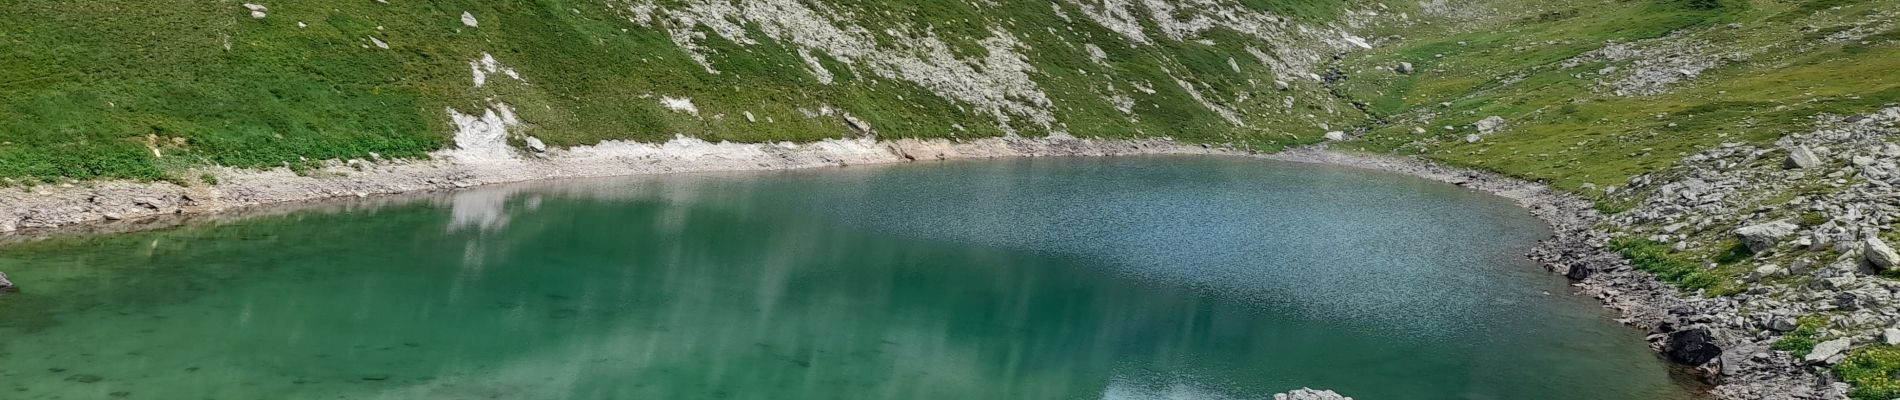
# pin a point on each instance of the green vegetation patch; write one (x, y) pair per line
(1873, 371)
(1676, 268)
(1805, 335)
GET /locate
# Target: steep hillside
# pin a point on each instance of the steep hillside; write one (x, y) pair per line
(143, 90)
(1741, 151)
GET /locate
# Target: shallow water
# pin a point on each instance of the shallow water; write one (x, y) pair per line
(1125, 278)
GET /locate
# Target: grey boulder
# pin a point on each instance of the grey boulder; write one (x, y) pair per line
(1762, 237)
(1489, 124)
(1801, 157)
(1879, 254)
(1692, 347)
(1827, 350)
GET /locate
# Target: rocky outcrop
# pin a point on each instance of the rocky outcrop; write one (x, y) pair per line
(1310, 394)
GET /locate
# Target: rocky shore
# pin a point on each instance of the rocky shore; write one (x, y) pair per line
(1678, 326)
(127, 203)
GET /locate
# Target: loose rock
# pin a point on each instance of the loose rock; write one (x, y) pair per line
(535, 144)
(1692, 347)
(863, 128)
(1489, 125)
(1827, 350)
(1801, 157)
(257, 10)
(6, 286)
(1781, 324)
(1879, 254)
(1763, 237)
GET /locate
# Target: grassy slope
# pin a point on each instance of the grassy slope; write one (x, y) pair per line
(85, 88)
(1566, 133)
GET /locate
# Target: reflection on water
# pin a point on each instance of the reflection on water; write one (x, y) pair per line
(1115, 279)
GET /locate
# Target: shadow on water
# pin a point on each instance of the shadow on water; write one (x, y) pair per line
(1155, 277)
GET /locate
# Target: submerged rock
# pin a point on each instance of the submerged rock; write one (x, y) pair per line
(7, 286)
(1692, 347)
(1762, 237)
(1310, 394)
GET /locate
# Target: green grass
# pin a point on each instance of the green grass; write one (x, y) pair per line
(1679, 269)
(1805, 335)
(1566, 132)
(1872, 370)
(82, 88)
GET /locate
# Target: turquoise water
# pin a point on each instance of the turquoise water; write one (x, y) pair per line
(1125, 278)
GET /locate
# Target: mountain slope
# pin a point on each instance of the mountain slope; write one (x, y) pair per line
(142, 90)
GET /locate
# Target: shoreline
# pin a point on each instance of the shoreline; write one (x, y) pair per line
(1576, 248)
(102, 205)
(1580, 251)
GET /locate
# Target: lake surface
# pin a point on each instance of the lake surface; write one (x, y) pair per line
(1122, 278)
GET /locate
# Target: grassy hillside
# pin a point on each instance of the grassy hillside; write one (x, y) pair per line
(143, 89)
(1768, 67)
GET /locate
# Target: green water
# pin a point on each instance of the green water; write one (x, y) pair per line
(1127, 278)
